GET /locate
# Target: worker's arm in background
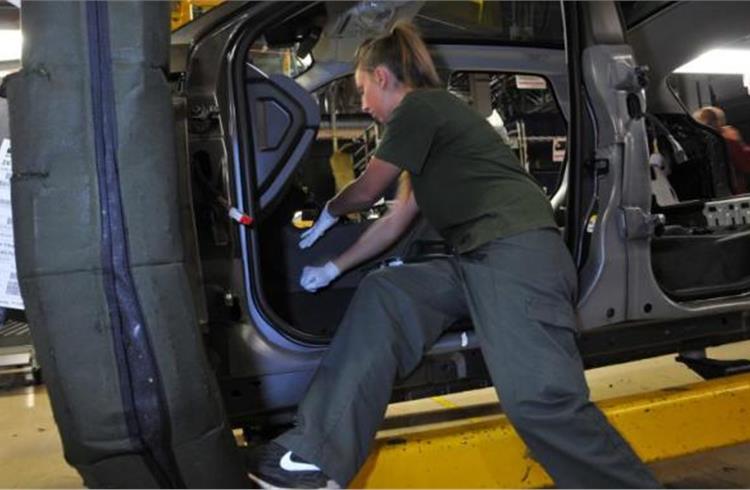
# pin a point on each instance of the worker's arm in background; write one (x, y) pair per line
(359, 195)
(375, 240)
(739, 152)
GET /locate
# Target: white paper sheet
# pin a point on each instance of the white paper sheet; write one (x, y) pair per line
(10, 295)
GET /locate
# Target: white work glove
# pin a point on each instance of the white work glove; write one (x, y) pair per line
(325, 221)
(314, 278)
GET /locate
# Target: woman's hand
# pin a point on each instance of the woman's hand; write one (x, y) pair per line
(325, 221)
(314, 278)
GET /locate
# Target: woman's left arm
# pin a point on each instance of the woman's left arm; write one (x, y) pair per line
(376, 239)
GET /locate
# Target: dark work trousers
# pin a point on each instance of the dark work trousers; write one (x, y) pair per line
(519, 292)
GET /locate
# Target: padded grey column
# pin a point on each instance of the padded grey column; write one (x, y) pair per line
(59, 218)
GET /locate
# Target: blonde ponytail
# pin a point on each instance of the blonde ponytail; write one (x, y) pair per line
(404, 53)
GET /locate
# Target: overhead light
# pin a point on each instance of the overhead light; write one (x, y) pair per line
(10, 45)
(721, 62)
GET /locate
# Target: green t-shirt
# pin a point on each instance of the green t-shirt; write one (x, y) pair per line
(467, 182)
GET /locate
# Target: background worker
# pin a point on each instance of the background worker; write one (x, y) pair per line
(510, 272)
(739, 152)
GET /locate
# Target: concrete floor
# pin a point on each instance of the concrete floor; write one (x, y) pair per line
(30, 448)
(31, 453)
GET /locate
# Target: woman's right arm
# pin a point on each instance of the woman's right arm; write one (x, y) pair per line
(360, 194)
(363, 191)
(384, 232)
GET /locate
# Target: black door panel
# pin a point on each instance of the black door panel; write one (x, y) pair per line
(283, 121)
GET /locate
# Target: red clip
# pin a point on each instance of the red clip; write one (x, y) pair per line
(240, 217)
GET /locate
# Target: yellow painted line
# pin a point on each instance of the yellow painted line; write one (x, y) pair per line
(489, 454)
(444, 402)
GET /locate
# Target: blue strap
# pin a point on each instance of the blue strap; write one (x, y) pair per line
(142, 392)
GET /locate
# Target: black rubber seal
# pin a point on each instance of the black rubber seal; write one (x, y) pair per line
(143, 397)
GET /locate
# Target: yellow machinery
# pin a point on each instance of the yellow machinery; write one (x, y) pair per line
(183, 11)
(486, 452)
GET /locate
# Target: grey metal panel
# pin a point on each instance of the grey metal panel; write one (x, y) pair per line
(618, 274)
(602, 24)
(621, 141)
(4, 129)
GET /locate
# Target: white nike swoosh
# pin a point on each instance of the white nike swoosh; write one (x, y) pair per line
(287, 464)
(264, 484)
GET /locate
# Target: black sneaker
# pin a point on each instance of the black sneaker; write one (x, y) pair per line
(274, 466)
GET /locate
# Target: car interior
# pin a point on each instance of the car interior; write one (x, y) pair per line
(521, 106)
(528, 118)
(706, 217)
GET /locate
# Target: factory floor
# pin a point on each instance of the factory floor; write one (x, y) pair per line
(31, 453)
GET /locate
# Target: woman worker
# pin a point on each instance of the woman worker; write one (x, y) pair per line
(510, 272)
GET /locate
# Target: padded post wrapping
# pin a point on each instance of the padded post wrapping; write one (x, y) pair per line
(101, 261)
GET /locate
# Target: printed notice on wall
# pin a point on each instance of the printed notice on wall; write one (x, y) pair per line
(530, 82)
(558, 149)
(10, 295)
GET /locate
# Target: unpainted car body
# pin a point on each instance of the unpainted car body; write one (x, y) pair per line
(254, 134)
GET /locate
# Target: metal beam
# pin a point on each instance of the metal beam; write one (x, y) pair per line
(487, 453)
